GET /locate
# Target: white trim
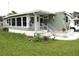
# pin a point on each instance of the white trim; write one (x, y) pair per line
(10, 21)
(41, 11)
(15, 21)
(27, 25)
(28, 21)
(21, 21)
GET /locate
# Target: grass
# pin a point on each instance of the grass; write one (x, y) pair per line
(12, 44)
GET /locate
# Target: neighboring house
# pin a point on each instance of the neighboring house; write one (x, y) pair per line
(75, 21)
(37, 21)
(1, 21)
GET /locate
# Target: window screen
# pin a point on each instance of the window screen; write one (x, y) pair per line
(19, 21)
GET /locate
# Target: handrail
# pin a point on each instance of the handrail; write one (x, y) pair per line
(54, 31)
(53, 28)
(49, 29)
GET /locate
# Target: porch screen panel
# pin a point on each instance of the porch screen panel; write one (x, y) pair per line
(24, 21)
(31, 21)
(19, 21)
(9, 20)
(13, 21)
(77, 21)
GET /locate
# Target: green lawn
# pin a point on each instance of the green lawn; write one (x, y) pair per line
(12, 44)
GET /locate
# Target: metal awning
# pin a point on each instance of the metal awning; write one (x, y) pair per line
(39, 12)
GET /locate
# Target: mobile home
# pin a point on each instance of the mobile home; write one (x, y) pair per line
(37, 21)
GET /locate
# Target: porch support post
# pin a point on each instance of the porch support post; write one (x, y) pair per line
(28, 21)
(10, 21)
(21, 21)
(15, 21)
(35, 23)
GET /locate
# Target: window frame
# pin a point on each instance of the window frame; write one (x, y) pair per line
(14, 22)
(66, 19)
(24, 25)
(9, 21)
(18, 21)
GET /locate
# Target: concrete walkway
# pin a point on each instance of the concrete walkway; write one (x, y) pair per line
(67, 36)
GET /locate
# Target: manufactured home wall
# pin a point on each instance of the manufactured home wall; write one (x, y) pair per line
(58, 22)
(5, 23)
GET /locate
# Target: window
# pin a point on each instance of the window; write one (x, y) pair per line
(46, 17)
(76, 22)
(77, 16)
(32, 20)
(66, 19)
(9, 20)
(13, 21)
(19, 21)
(37, 19)
(41, 20)
(24, 21)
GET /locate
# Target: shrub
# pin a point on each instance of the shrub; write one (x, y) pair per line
(37, 37)
(5, 29)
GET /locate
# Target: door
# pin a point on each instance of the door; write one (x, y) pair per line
(44, 21)
(41, 21)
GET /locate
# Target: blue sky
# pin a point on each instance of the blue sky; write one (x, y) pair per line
(29, 5)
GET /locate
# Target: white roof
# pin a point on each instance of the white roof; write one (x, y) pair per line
(41, 12)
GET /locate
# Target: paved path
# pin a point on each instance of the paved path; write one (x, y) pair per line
(68, 36)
